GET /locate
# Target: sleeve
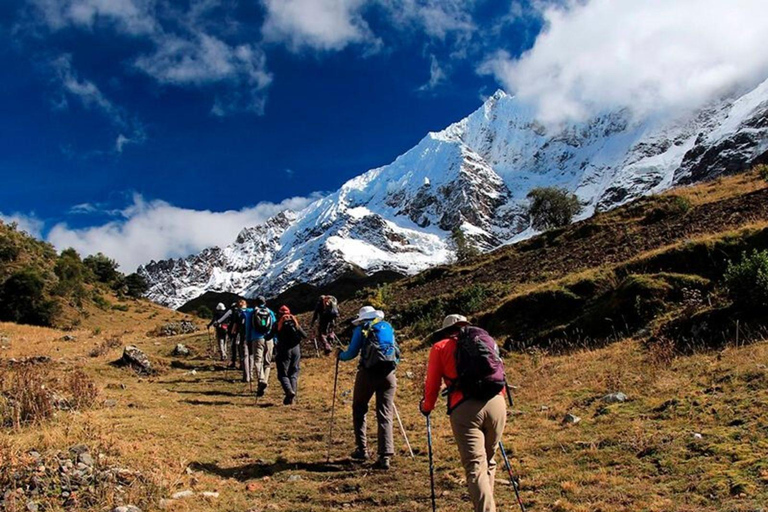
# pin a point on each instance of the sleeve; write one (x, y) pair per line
(224, 317)
(273, 333)
(434, 379)
(302, 332)
(316, 313)
(354, 346)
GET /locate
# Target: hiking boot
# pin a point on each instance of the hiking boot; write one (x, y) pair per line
(288, 400)
(260, 390)
(383, 464)
(359, 454)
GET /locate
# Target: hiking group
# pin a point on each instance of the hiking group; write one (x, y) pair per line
(463, 357)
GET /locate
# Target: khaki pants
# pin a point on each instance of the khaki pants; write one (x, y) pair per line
(262, 359)
(368, 384)
(478, 427)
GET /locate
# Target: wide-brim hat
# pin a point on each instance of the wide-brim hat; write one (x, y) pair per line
(450, 323)
(366, 314)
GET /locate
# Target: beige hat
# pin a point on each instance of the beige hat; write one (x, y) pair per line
(453, 320)
(367, 313)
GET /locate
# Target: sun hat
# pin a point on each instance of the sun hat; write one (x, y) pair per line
(453, 320)
(261, 301)
(220, 307)
(366, 314)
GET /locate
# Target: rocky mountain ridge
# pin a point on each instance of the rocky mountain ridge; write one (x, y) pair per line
(474, 175)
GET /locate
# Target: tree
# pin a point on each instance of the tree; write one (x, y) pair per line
(463, 247)
(71, 272)
(103, 268)
(23, 300)
(552, 207)
(747, 281)
(136, 286)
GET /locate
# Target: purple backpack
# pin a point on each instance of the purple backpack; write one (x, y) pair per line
(478, 364)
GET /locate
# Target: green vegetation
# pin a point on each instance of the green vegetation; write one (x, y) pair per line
(670, 206)
(23, 299)
(552, 207)
(103, 268)
(204, 312)
(462, 247)
(762, 171)
(747, 281)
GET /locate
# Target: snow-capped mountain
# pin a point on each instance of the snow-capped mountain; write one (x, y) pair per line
(475, 175)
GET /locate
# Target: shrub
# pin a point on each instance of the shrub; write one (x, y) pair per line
(9, 251)
(552, 207)
(104, 269)
(23, 299)
(100, 301)
(71, 272)
(762, 171)
(136, 285)
(82, 389)
(462, 247)
(747, 281)
(105, 346)
(24, 395)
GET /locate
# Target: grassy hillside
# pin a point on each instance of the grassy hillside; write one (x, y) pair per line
(633, 301)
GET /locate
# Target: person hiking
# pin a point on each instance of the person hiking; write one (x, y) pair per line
(261, 324)
(326, 311)
(466, 359)
(374, 340)
(288, 353)
(220, 328)
(234, 322)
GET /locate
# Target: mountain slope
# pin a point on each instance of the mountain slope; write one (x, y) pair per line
(475, 175)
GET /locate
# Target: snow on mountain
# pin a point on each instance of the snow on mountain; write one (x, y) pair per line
(475, 175)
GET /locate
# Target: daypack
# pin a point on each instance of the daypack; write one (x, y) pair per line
(380, 349)
(330, 305)
(478, 364)
(262, 321)
(289, 334)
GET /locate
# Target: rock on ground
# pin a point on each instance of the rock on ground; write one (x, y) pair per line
(615, 398)
(136, 359)
(181, 350)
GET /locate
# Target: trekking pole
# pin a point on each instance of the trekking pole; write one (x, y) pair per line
(210, 342)
(400, 422)
(512, 478)
(431, 464)
(317, 349)
(333, 410)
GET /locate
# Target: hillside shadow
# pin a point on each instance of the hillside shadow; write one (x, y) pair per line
(202, 367)
(261, 469)
(211, 392)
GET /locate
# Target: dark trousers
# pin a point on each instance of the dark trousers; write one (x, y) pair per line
(288, 365)
(324, 330)
(236, 347)
(367, 384)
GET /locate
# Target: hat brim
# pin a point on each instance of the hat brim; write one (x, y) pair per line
(445, 330)
(367, 318)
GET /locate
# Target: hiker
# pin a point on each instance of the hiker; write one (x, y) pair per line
(261, 322)
(234, 321)
(326, 310)
(288, 353)
(477, 411)
(220, 328)
(374, 340)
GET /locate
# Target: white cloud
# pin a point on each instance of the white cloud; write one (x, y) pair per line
(317, 24)
(157, 230)
(29, 223)
(437, 75)
(131, 16)
(650, 55)
(437, 18)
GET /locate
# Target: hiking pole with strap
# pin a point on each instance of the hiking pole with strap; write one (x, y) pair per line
(400, 422)
(333, 410)
(431, 464)
(317, 349)
(512, 478)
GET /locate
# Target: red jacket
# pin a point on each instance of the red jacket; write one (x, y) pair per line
(442, 368)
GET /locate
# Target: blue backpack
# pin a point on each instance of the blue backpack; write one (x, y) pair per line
(380, 350)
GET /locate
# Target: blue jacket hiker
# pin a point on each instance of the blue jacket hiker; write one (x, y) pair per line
(374, 340)
(261, 329)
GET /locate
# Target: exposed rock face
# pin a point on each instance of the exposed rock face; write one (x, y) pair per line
(136, 359)
(473, 175)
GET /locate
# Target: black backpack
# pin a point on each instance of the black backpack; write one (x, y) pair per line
(262, 321)
(289, 335)
(479, 367)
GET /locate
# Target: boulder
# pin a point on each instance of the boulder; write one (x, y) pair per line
(180, 350)
(571, 419)
(136, 359)
(615, 398)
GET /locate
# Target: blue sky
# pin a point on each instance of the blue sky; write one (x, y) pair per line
(182, 121)
(93, 113)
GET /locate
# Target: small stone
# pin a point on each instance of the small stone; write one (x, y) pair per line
(110, 403)
(164, 503)
(78, 449)
(615, 398)
(85, 458)
(182, 494)
(209, 494)
(180, 350)
(544, 408)
(294, 478)
(32, 506)
(696, 435)
(409, 374)
(68, 337)
(571, 419)
(126, 508)
(34, 454)
(252, 487)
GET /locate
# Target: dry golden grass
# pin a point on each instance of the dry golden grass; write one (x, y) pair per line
(203, 431)
(721, 188)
